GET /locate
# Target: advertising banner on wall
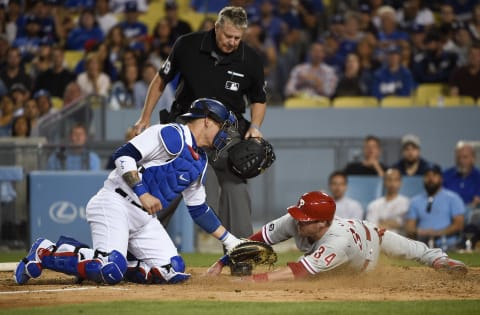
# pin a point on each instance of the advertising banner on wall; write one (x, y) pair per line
(57, 203)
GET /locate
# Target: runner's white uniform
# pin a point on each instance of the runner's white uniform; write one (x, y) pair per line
(118, 224)
(354, 244)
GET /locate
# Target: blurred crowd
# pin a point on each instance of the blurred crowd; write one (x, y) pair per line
(309, 47)
(442, 208)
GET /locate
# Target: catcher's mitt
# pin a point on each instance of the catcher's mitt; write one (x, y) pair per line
(249, 158)
(252, 252)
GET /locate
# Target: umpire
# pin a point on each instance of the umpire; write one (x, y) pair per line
(216, 64)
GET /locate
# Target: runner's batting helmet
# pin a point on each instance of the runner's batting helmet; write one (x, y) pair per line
(313, 206)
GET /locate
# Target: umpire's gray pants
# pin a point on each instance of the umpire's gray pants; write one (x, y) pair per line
(228, 195)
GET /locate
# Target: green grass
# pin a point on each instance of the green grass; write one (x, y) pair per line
(264, 308)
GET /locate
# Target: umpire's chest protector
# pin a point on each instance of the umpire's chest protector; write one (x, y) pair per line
(167, 181)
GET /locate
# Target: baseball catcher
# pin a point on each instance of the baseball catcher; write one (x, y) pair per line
(330, 242)
(251, 157)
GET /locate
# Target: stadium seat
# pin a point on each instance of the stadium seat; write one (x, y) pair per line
(72, 57)
(411, 186)
(397, 101)
(307, 102)
(355, 102)
(57, 102)
(426, 91)
(451, 101)
(364, 189)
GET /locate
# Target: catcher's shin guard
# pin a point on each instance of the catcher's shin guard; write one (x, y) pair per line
(31, 265)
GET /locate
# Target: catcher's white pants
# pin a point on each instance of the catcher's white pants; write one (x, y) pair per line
(117, 224)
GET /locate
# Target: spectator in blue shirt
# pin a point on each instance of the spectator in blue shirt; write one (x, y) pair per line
(29, 43)
(76, 156)
(87, 30)
(134, 30)
(393, 78)
(435, 216)
(464, 177)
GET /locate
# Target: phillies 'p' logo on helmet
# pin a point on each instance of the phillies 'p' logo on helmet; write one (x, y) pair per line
(313, 206)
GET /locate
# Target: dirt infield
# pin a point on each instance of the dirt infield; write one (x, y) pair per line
(386, 283)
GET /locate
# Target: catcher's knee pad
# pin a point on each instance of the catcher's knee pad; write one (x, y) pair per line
(172, 273)
(113, 271)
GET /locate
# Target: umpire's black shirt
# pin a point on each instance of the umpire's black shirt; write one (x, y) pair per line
(234, 79)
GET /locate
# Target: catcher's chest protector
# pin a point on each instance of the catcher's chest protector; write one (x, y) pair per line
(167, 181)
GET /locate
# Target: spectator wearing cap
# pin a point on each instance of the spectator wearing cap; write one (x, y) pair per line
(464, 80)
(19, 94)
(366, 23)
(433, 65)
(312, 78)
(178, 26)
(435, 216)
(13, 72)
(87, 30)
(415, 12)
(44, 103)
(411, 163)
(56, 78)
(464, 177)
(135, 31)
(43, 11)
(393, 78)
(106, 19)
(29, 43)
(417, 38)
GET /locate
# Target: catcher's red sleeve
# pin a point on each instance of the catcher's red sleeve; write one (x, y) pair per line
(298, 270)
(257, 237)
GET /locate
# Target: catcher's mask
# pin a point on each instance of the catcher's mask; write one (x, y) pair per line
(207, 107)
(313, 206)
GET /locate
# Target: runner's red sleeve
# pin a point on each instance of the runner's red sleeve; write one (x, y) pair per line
(298, 270)
(257, 237)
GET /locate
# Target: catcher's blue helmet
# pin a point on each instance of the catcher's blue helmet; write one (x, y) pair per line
(207, 107)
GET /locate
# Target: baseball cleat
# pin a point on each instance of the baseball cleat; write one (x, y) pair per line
(451, 266)
(30, 266)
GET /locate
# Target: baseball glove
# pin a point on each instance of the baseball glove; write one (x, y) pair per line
(251, 157)
(253, 253)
